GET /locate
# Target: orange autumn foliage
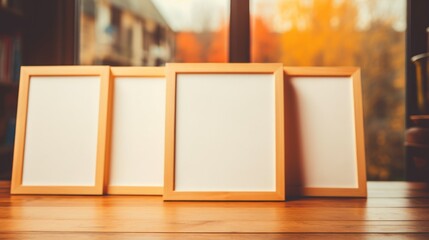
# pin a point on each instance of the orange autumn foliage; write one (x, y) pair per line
(202, 46)
(327, 33)
(188, 49)
(265, 43)
(218, 50)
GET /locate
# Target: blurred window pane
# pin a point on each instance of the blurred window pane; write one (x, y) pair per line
(153, 32)
(365, 33)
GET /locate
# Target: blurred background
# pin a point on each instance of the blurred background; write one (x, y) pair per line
(380, 36)
(365, 33)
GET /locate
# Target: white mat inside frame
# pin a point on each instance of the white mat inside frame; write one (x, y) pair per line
(225, 136)
(325, 149)
(60, 137)
(136, 165)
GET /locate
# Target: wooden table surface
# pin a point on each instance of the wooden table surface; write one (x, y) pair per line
(393, 210)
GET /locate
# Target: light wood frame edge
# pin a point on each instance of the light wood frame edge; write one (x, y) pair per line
(262, 68)
(354, 74)
(127, 72)
(26, 74)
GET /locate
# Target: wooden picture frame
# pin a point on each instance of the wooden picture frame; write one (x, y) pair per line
(207, 106)
(325, 153)
(60, 139)
(136, 155)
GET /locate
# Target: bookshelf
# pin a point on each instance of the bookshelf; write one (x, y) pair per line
(11, 27)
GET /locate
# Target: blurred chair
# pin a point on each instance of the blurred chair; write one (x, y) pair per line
(417, 137)
(421, 63)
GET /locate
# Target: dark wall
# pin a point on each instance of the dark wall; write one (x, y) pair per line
(48, 34)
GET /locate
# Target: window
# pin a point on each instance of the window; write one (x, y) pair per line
(152, 32)
(365, 33)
